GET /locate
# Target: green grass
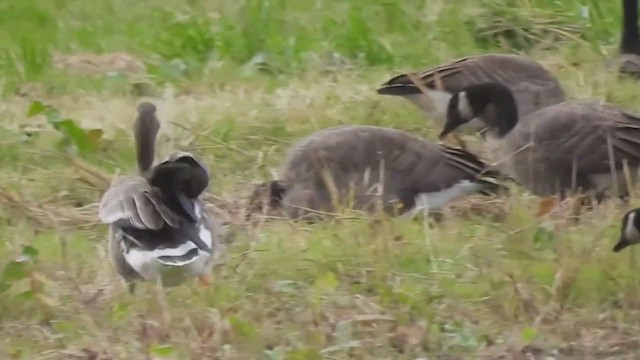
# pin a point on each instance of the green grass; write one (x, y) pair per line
(236, 82)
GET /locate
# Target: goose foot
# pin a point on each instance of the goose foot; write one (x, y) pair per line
(204, 280)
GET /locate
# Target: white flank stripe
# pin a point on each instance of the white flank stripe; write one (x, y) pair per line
(205, 235)
(177, 251)
(437, 200)
(631, 233)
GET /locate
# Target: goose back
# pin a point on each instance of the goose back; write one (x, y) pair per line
(533, 86)
(575, 143)
(358, 157)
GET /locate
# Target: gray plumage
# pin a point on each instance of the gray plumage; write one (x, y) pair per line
(532, 85)
(578, 144)
(350, 161)
(158, 227)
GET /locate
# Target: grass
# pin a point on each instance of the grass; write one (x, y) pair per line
(236, 83)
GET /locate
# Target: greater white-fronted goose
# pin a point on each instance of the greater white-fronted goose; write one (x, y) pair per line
(358, 162)
(577, 144)
(532, 85)
(629, 231)
(158, 227)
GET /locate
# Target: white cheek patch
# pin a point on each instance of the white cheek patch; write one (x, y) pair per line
(630, 232)
(205, 236)
(464, 108)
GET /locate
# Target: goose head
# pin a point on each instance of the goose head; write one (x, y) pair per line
(181, 179)
(629, 231)
(491, 103)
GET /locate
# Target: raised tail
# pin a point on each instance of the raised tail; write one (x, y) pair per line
(146, 131)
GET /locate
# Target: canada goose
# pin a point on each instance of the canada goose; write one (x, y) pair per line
(629, 57)
(353, 159)
(577, 144)
(532, 85)
(629, 231)
(158, 228)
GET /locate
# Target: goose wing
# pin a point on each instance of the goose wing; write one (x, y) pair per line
(424, 167)
(511, 70)
(133, 201)
(533, 85)
(585, 135)
(411, 164)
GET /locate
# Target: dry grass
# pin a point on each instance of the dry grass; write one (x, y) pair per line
(489, 281)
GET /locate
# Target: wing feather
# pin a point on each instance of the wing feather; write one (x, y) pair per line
(134, 201)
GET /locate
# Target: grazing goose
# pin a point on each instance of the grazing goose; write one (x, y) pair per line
(578, 144)
(351, 160)
(629, 231)
(158, 228)
(629, 58)
(532, 85)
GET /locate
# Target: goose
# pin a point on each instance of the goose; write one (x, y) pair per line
(629, 58)
(629, 231)
(158, 229)
(414, 174)
(576, 144)
(533, 86)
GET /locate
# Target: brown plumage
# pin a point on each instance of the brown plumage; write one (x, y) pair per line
(578, 144)
(532, 85)
(352, 160)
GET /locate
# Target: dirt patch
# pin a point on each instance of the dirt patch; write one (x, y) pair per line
(96, 64)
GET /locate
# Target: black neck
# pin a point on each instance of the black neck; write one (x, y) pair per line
(496, 104)
(630, 43)
(508, 117)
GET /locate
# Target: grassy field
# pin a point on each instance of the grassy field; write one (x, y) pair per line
(236, 82)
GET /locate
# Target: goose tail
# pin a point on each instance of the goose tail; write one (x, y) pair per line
(494, 182)
(398, 90)
(400, 85)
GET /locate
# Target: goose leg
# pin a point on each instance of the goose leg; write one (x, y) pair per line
(545, 205)
(132, 288)
(165, 316)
